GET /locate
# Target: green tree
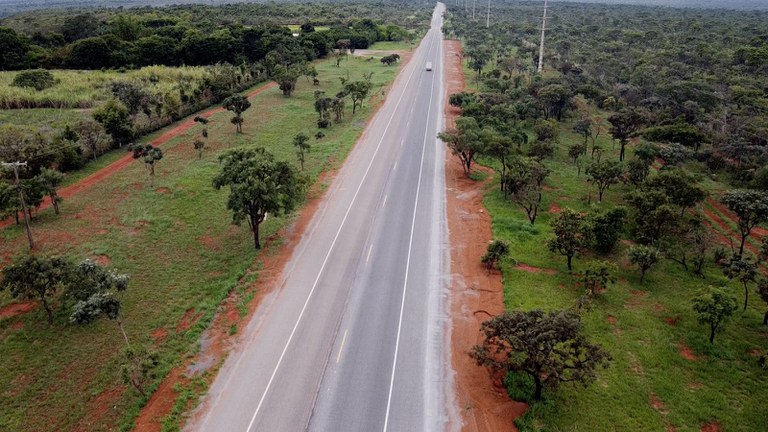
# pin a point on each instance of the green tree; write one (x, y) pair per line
(597, 276)
(743, 270)
(50, 180)
(625, 125)
(603, 175)
(115, 118)
(151, 156)
(286, 78)
(644, 257)
(525, 183)
(547, 346)
(713, 306)
(199, 146)
(94, 291)
(607, 227)
(751, 207)
(572, 234)
(14, 48)
(258, 185)
(464, 142)
(583, 127)
(680, 186)
(497, 250)
(358, 92)
(36, 277)
(301, 143)
(237, 104)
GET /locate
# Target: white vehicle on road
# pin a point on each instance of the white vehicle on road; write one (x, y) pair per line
(429, 66)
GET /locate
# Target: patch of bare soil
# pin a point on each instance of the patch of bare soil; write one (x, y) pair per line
(612, 320)
(16, 309)
(657, 404)
(475, 294)
(188, 320)
(554, 208)
(686, 352)
(531, 269)
(713, 426)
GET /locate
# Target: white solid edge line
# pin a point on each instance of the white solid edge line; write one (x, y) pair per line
(330, 249)
(408, 260)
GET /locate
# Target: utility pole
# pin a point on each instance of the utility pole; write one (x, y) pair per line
(541, 46)
(15, 167)
(474, 2)
(488, 15)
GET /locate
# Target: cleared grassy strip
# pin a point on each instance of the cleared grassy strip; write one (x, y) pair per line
(175, 240)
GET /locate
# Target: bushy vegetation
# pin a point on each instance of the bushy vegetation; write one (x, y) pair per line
(640, 153)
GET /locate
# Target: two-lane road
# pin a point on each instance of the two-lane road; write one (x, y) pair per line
(354, 339)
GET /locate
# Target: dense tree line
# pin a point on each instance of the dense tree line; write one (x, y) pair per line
(195, 35)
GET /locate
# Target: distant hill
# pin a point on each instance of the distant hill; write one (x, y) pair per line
(8, 7)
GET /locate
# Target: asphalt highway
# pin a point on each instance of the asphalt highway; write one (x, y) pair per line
(355, 337)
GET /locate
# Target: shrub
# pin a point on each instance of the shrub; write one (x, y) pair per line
(38, 79)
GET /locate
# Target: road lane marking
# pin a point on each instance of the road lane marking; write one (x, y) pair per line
(330, 249)
(385, 201)
(341, 348)
(408, 259)
(394, 168)
(370, 249)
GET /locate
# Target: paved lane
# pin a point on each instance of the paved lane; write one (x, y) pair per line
(353, 340)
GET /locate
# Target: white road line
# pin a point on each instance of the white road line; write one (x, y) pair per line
(408, 259)
(385, 201)
(341, 348)
(370, 249)
(330, 249)
(394, 168)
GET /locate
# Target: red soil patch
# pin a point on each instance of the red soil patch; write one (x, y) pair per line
(160, 403)
(757, 352)
(159, 335)
(126, 160)
(638, 293)
(673, 320)
(686, 352)
(104, 260)
(657, 404)
(16, 309)
(713, 426)
(484, 407)
(695, 386)
(188, 320)
(612, 320)
(163, 190)
(532, 269)
(210, 243)
(554, 208)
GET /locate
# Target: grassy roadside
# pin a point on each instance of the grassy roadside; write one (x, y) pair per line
(647, 327)
(175, 240)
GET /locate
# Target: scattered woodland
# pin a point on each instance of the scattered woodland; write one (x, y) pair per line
(129, 272)
(629, 202)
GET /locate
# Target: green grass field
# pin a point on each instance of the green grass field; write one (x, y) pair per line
(177, 242)
(649, 386)
(87, 88)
